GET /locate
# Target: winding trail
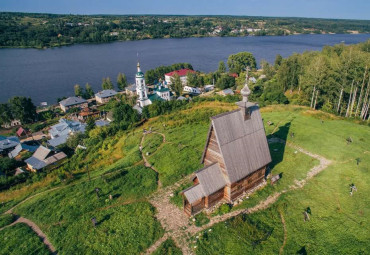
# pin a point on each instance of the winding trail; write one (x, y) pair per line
(177, 226)
(172, 218)
(146, 162)
(37, 230)
(156, 245)
(285, 233)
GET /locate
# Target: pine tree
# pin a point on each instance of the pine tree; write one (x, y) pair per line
(90, 124)
(107, 84)
(221, 67)
(176, 84)
(121, 81)
(89, 92)
(78, 90)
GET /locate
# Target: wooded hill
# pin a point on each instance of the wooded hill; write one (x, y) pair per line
(50, 30)
(335, 80)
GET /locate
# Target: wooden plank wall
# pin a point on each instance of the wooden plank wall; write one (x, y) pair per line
(247, 183)
(212, 199)
(197, 206)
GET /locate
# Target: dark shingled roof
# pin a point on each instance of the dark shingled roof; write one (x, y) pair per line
(243, 143)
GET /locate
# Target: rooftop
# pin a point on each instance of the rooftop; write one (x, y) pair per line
(106, 93)
(72, 101)
(181, 72)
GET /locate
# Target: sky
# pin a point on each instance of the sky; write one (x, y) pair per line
(341, 9)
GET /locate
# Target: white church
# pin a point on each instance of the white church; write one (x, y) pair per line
(160, 93)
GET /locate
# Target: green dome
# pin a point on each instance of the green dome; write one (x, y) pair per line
(139, 74)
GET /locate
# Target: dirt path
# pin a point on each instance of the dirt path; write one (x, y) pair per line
(176, 224)
(37, 230)
(285, 233)
(156, 245)
(146, 162)
(172, 218)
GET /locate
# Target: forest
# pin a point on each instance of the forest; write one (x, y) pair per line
(52, 30)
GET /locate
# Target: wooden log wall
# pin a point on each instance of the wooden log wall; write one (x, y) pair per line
(212, 199)
(247, 183)
(197, 206)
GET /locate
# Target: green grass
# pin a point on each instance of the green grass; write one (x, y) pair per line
(168, 247)
(123, 222)
(21, 240)
(339, 223)
(151, 143)
(258, 233)
(6, 219)
(285, 162)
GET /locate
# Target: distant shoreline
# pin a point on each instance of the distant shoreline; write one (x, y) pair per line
(146, 39)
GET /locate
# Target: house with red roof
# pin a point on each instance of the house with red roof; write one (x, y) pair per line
(182, 73)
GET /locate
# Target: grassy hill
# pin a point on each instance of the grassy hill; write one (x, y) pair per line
(339, 223)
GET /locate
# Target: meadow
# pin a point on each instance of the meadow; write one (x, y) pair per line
(20, 239)
(125, 220)
(339, 223)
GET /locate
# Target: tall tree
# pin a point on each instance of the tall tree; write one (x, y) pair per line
(90, 124)
(192, 79)
(278, 60)
(121, 81)
(23, 109)
(238, 62)
(221, 67)
(107, 83)
(176, 84)
(89, 92)
(5, 114)
(78, 91)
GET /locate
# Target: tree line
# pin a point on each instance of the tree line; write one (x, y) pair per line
(335, 80)
(18, 108)
(51, 30)
(88, 92)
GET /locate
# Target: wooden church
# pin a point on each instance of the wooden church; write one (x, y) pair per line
(235, 157)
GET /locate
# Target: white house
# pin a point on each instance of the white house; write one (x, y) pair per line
(209, 87)
(104, 96)
(60, 132)
(182, 73)
(12, 123)
(192, 90)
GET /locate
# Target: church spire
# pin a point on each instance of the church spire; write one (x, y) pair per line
(138, 67)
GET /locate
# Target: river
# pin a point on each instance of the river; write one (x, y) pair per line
(45, 75)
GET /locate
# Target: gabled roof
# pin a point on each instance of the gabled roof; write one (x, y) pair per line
(20, 147)
(64, 127)
(106, 93)
(228, 92)
(20, 131)
(35, 163)
(41, 153)
(58, 140)
(9, 142)
(181, 72)
(210, 180)
(41, 158)
(72, 101)
(155, 97)
(242, 143)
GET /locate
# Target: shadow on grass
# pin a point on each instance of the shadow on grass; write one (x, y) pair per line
(277, 149)
(106, 217)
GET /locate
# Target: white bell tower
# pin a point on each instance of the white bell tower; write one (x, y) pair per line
(141, 89)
